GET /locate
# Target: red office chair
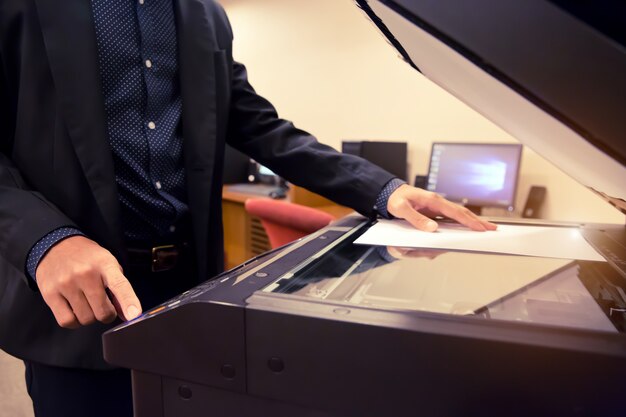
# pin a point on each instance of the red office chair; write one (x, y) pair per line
(285, 222)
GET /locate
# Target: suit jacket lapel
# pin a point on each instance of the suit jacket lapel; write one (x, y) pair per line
(70, 40)
(196, 49)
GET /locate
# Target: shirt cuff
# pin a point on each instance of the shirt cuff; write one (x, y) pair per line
(43, 246)
(383, 197)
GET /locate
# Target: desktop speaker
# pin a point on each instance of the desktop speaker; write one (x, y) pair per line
(534, 201)
(421, 181)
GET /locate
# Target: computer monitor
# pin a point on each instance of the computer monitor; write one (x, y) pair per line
(239, 168)
(475, 174)
(266, 174)
(258, 173)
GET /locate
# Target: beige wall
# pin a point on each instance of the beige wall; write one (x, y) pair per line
(326, 68)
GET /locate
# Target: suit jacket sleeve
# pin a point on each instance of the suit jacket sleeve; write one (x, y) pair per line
(255, 129)
(25, 215)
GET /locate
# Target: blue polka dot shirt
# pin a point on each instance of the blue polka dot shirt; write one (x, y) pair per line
(137, 52)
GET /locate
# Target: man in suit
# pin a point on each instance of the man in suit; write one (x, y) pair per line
(114, 116)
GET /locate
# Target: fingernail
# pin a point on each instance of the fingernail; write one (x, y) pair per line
(431, 225)
(131, 312)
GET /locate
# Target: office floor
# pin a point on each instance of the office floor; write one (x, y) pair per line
(14, 400)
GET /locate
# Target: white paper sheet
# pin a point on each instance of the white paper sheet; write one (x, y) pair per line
(549, 242)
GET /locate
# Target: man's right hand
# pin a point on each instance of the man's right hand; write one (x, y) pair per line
(73, 278)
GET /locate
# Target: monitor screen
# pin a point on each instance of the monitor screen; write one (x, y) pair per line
(475, 174)
(263, 170)
(261, 174)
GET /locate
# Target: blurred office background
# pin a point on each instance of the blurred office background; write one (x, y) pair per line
(326, 68)
(14, 401)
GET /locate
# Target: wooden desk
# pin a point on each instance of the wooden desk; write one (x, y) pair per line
(244, 236)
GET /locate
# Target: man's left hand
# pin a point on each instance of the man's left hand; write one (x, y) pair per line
(418, 206)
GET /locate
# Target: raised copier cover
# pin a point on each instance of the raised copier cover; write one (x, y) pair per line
(550, 72)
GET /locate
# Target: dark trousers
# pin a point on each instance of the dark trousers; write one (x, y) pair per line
(70, 392)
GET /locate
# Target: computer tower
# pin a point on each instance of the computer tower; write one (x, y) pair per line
(391, 156)
(534, 202)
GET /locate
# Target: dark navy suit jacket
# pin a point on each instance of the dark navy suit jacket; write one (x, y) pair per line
(56, 167)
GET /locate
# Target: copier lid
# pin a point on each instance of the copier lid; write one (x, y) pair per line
(550, 72)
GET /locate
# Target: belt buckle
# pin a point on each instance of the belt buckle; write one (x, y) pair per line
(164, 258)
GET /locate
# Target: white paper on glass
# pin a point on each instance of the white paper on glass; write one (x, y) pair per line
(542, 241)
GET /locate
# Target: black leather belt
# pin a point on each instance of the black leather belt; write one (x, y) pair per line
(156, 258)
